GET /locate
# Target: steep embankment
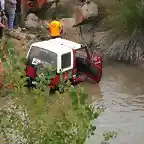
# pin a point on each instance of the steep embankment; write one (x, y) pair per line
(90, 28)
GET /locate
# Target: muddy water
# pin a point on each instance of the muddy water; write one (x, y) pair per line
(122, 93)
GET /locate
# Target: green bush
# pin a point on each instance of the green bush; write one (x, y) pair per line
(31, 116)
(129, 16)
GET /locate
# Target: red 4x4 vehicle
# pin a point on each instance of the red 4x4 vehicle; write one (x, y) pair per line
(72, 61)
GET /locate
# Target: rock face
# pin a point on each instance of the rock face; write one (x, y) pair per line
(85, 12)
(129, 49)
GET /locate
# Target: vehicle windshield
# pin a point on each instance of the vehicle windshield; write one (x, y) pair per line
(41, 56)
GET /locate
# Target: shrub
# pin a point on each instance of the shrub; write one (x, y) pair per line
(129, 16)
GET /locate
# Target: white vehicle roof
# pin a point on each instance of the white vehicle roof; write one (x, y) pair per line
(58, 45)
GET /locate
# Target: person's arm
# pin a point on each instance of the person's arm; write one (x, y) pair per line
(2, 25)
(61, 28)
(5, 20)
(49, 27)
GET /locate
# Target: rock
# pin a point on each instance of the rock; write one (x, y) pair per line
(18, 29)
(69, 32)
(21, 36)
(23, 29)
(32, 22)
(31, 25)
(32, 17)
(30, 36)
(16, 34)
(74, 34)
(87, 11)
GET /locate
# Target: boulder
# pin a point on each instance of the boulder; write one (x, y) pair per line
(32, 17)
(32, 22)
(89, 10)
(85, 12)
(69, 32)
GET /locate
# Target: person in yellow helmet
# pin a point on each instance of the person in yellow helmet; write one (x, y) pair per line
(55, 28)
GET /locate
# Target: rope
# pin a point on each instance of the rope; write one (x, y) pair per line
(30, 41)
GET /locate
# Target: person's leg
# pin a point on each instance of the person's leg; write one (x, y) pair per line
(11, 18)
(15, 21)
(11, 22)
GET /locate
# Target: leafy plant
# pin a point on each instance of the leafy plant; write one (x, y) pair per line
(109, 135)
(129, 16)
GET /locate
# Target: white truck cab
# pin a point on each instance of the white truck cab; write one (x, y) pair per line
(57, 52)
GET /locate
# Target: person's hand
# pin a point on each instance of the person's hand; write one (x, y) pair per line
(5, 18)
(2, 25)
(49, 30)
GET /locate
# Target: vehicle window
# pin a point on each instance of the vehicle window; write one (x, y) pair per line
(81, 53)
(66, 60)
(43, 56)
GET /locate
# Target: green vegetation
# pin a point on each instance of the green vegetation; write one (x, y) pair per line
(34, 117)
(126, 26)
(129, 16)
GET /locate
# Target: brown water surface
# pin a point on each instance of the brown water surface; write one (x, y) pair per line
(122, 89)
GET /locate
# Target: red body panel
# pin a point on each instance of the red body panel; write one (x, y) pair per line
(56, 80)
(30, 71)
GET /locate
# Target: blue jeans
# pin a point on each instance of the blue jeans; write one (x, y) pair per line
(11, 17)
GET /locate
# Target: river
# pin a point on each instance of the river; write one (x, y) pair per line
(122, 93)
